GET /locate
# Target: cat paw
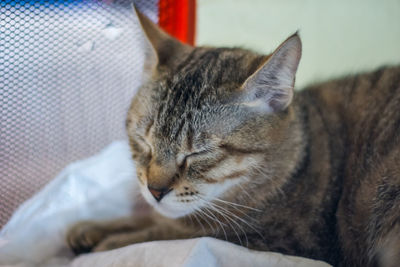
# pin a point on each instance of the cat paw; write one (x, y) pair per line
(107, 244)
(119, 240)
(84, 236)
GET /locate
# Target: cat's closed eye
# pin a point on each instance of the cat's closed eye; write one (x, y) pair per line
(182, 159)
(141, 149)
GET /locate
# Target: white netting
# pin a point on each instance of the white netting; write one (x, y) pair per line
(68, 70)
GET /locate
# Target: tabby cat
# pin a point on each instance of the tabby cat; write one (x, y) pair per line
(224, 147)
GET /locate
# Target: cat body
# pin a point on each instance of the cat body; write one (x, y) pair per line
(224, 147)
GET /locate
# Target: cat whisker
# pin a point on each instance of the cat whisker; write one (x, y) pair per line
(216, 231)
(229, 205)
(240, 211)
(220, 223)
(236, 204)
(238, 218)
(229, 217)
(199, 222)
(226, 216)
(190, 217)
(229, 220)
(245, 191)
(202, 214)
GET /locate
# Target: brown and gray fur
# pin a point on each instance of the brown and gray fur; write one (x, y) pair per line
(321, 165)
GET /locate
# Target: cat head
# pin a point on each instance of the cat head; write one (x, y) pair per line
(208, 121)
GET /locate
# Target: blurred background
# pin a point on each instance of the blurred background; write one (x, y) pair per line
(339, 37)
(69, 68)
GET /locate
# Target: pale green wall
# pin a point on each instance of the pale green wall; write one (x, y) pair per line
(338, 36)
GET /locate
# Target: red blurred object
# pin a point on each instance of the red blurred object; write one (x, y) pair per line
(178, 18)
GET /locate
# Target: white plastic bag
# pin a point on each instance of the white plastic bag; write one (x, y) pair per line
(101, 187)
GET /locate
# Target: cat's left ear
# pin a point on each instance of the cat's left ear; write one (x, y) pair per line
(270, 88)
(162, 49)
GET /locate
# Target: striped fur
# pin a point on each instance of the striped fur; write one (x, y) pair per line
(318, 178)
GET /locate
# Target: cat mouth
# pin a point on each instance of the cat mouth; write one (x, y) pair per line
(169, 205)
(175, 204)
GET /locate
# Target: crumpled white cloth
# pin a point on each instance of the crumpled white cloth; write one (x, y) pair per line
(35, 235)
(36, 231)
(201, 252)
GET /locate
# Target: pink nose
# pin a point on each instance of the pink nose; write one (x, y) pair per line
(158, 194)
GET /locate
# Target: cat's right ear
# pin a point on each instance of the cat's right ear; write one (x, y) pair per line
(161, 48)
(270, 88)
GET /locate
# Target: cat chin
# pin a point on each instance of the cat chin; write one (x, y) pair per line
(171, 210)
(172, 213)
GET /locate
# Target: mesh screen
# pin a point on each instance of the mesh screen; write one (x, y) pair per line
(68, 70)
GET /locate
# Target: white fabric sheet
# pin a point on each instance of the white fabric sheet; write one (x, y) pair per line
(35, 235)
(201, 252)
